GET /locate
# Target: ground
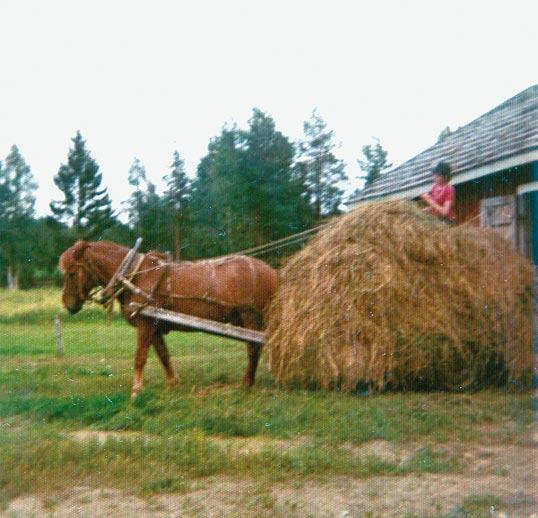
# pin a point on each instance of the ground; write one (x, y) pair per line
(497, 481)
(72, 444)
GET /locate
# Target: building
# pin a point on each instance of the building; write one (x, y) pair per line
(494, 163)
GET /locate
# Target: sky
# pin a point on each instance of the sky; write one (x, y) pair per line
(144, 78)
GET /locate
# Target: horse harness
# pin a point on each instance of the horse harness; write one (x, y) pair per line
(123, 280)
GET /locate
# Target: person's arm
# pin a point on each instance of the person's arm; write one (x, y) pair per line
(442, 210)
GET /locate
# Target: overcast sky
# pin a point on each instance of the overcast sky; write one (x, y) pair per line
(142, 78)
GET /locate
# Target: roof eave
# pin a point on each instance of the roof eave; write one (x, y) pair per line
(466, 176)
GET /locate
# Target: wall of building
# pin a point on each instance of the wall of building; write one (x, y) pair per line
(534, 215)
(470, 194)
(523, 212)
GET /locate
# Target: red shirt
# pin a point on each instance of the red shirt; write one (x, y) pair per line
(443, 193)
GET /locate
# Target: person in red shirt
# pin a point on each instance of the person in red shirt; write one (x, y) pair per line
(441, 200)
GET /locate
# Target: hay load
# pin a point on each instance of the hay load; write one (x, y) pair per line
(389, 297)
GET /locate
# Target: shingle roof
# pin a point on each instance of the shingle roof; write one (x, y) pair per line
(508, 130)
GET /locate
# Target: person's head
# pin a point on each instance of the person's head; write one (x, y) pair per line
(441, 173)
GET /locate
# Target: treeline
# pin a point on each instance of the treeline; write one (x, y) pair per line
(253, 186)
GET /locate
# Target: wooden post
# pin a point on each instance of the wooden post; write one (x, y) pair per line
(59, 338)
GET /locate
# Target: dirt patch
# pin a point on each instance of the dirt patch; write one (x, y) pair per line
(253, 445)
(426, 495)
(384, 450)
(14, 424)
(102, 436)
(81, 501)
(502, 478)
(235, 445)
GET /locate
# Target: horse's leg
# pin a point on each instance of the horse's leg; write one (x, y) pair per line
(251, 320)
(253, 350)
(145, 334)
(162, 352)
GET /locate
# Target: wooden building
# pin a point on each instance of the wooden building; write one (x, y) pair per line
(494, 162)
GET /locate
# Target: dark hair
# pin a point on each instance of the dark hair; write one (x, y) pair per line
(442, 169)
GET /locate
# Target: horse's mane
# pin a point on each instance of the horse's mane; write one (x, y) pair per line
(75, 252)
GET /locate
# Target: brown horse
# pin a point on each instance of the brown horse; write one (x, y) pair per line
(233, 289)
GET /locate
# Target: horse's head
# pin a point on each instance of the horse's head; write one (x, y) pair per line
(79, 278)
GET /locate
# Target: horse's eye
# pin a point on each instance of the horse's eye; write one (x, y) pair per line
(71, 274)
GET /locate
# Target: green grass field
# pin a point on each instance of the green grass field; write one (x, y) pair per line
(169, 439)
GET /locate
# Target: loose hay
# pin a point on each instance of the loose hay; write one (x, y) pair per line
(391, 298)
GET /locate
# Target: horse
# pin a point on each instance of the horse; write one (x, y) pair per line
(233, 289)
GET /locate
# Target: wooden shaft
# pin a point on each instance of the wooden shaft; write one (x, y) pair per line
(135, 289)
(124, 266)
(200, 324)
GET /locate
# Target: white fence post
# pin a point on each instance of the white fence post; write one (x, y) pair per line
(59, 338)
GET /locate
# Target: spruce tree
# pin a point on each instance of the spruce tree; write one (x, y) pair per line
(17, 199)
(137, 178)
(318, 167)
(213, 231)
(375, 163)
(86, 206)
(245, 193)
(18, 178)
(176, 198)
(146, 210)
(272, 196)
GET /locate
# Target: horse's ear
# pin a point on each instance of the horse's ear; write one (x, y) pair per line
(78, 249)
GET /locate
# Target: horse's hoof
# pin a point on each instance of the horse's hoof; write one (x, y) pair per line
(173, 382)
(134, 395)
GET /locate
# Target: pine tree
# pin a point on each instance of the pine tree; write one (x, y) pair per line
(17, 199)
(176, 198)
(444, 134)
(213, 231)
(375, 164)
(319, 169)
(136, 178)
(18, 177)
(86, 207)
(272, 197)
(147, 210)
(245, 193)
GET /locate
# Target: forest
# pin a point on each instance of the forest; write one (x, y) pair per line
(253, 186)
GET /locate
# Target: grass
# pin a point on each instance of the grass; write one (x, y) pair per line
(182, 433)
(476, 506)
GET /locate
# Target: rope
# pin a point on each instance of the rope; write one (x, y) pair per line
(276, 247)
(279, 243)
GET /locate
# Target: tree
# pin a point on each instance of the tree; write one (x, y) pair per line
(375, 164)
(146, 210)
(319, 169)
(86, 207)
(49, 239)
(152, 221)
(211, 204)
(244, 193)
(137, 178)
(176, 198)
(273, 196)
(444, 134)
(17, 201)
